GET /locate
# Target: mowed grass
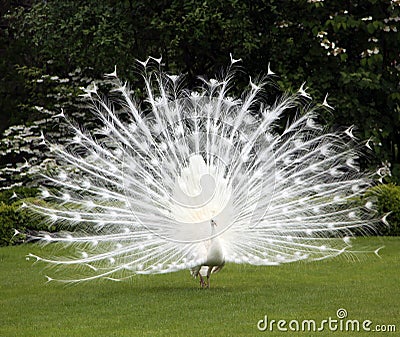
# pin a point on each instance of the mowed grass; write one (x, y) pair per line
(173, 304)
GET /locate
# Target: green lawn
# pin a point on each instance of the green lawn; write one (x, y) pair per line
(173, 305)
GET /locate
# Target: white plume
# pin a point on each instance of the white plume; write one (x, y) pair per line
(138, 197)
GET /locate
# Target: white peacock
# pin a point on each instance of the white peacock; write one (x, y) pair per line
(192, 180)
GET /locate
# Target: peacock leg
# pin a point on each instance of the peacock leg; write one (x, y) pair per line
(209, 276)
(202, 284)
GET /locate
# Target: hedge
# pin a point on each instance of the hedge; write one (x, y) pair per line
(14, 218)
(388, 201)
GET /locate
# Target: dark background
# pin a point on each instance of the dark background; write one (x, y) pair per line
(350, 49)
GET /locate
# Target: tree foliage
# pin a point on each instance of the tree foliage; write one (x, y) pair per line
(347, 48)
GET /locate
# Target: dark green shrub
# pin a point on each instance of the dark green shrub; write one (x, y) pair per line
(388, 200)
(10, 196)
(10, 220)
(14, 218)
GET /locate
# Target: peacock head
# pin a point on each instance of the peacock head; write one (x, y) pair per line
(213, 227)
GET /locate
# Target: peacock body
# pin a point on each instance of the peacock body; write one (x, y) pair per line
(138, 195)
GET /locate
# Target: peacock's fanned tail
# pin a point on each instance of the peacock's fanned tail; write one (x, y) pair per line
(137, 194)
